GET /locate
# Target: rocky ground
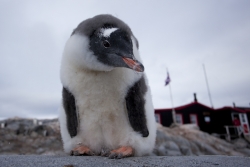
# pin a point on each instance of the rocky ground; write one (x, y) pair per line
(42, 137)
(27, 136)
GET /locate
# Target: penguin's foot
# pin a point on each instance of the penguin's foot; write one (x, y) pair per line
(81, 150)
(122, 152)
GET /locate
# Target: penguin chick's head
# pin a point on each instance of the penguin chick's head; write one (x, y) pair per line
(103, 43)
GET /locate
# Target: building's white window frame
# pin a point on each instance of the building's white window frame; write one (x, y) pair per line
(207, 118)
(191, 116)
(158, 118)
(179, 118)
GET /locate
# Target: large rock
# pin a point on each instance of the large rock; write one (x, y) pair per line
(189, 140)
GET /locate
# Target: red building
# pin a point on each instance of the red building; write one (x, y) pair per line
(232, 121)
(227, 122)
(194, 113)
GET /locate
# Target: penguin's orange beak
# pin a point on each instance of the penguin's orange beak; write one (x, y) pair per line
(133, 64)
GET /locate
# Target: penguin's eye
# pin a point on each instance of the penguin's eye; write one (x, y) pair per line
(106, 44)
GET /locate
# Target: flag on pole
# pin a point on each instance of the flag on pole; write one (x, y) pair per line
(167, 81)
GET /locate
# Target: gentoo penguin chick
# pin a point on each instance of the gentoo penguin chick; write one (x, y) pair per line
(106, 101)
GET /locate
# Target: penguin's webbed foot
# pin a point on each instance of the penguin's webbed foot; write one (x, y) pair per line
(81, 150)
(122, 152)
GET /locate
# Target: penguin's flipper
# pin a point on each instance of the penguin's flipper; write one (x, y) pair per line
(70, 111)
(81, 150)
(122, 152)
(135, 102)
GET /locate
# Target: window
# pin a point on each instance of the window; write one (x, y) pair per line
(243, 117)
(193, 119)
(207, 119)
(158, 118)
(179, 118)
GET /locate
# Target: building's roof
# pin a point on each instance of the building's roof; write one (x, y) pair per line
(226, 108)
(235, 109)
(244, 108)
(182, 107)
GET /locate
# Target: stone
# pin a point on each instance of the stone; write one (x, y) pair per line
(40, 150)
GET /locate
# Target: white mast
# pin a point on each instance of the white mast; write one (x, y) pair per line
(208, 86)
(172, 102)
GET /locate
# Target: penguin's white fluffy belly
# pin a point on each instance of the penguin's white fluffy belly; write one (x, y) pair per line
(103, 124)
(103, 120)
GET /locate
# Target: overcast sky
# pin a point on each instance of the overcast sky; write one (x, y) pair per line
(178, 35)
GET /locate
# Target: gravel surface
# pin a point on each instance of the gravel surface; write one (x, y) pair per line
(151, 161)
